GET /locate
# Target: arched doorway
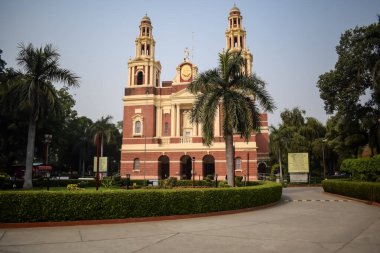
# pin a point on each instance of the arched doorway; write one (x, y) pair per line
(163, 167)
(208, 164)
(186, 167)
(261, 170)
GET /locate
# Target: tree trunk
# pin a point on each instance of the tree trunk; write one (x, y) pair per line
(230, 159)
(279, 160)
(30, 154)
(101, 145)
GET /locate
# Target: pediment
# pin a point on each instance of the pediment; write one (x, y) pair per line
(182, 94)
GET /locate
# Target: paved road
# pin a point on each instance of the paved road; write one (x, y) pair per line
(307, 220)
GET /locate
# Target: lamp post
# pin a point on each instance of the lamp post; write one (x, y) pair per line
(98, 143)
(128, 180)
(323, 157)
(146, 103)
(248, 166)
(48, 180)
(47, 141)
(193, 170)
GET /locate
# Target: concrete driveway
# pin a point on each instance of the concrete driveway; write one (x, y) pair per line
(306, 220)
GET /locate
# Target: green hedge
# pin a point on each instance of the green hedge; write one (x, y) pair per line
(42, 182)
(360, 190)
(364, 169)
(33, 206)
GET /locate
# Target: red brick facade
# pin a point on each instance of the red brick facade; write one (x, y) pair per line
(158, 139)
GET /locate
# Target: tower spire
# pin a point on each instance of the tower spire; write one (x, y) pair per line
(236, 37)
(143, 69)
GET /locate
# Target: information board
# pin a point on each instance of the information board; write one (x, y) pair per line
(298, 162)
(103, 161)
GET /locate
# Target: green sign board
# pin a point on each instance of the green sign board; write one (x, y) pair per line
(298, 162)
(103, 161)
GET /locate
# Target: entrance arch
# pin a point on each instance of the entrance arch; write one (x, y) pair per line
(186, 167)
(208, 165)
(163, 167)
(261, 170)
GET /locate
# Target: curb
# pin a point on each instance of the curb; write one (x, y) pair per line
(131, 220)
(367, 202)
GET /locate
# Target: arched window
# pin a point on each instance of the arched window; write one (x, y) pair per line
(136, 164)
(237, 163)
(138, 127)
(140, 78)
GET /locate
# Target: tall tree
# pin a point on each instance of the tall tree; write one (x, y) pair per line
(297, 133)
(34, 91)
(104, 128)
(279, 143)
(227, 87)
(351, 90)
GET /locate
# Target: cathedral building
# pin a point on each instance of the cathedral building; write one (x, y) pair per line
(159, 141)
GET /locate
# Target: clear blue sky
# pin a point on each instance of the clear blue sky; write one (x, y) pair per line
(292, 42)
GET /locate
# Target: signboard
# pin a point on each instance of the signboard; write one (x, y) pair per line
(298, 162)
(103, 161)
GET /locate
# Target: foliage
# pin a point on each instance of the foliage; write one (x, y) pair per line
(32, 206)
(32, 91)
(362, 169)
(351, 90)
(236, 94)
(209, 178)
(168, 183)
(360, 190)
(73, 187)
(297, 133)
(108, 182)
(223, 184)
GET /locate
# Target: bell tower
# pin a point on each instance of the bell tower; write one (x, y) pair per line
(236, 37)
(143, 70)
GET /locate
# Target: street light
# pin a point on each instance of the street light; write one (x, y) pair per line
(47, 141)
(193, 170)
(128, 180)
(323, 157)
(48, 180)
(146, 103)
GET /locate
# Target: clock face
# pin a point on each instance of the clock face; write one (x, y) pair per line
(186, 72)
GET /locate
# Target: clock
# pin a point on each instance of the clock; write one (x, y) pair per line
(186, 72)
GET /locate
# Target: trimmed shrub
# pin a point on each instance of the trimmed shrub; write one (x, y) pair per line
(362, 169)
(33, 206)
(360, 190)
(42, 183)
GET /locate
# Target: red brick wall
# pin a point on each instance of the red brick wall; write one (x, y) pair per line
(151, 164)
(166, 117)
(148, 112)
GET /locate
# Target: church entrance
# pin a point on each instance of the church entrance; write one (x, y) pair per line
(163, 167)
(262, 171)
(186, 167)
(208, 166)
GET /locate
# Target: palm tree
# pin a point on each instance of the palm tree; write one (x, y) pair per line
(84, 141)
(236, 94)
(103, 128)
(279, 142)
(34, 91)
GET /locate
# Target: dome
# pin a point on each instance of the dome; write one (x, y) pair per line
(145, 19)
(234, 9)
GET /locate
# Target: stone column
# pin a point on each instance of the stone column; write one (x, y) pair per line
(178, 116)
(172, 121)
(158, 121)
